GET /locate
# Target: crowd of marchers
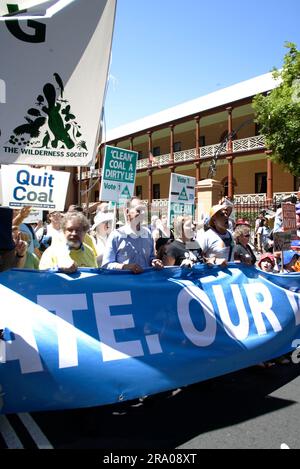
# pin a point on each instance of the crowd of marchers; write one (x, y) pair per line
(67, 241)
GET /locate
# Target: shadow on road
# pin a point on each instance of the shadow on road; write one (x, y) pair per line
(168, 420)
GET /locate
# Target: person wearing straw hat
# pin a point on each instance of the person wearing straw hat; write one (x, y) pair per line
(101, 228)
(217, 243)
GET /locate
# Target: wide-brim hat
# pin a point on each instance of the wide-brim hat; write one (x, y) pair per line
(265, 256)
(102, 217)
(242, 221)
(216, 209)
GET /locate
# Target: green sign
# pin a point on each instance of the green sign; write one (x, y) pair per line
(119, 172)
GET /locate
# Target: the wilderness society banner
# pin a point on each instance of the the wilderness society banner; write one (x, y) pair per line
(53, 74)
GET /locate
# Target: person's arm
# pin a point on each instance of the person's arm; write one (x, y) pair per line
(109, 260)
(23, 213)
(20, 252)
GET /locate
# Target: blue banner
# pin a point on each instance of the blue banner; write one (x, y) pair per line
(100, 337)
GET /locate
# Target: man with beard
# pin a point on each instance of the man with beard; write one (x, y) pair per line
(217, 242)
(72, 252)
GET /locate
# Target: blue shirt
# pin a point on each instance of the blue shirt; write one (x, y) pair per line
(124, 246)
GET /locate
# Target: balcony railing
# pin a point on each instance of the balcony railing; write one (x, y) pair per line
(244, 144)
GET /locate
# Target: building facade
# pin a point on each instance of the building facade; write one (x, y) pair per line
(216, 131)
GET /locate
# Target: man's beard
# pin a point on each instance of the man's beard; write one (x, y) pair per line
(74, 244)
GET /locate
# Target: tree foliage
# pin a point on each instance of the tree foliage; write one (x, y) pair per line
(278, 113)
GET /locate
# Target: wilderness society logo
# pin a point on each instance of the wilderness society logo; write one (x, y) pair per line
(50, 127)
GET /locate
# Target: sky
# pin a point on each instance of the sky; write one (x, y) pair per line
(166, 52)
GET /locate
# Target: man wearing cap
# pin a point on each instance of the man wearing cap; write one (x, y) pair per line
(217, 242)
(102, 228)
(131, 247)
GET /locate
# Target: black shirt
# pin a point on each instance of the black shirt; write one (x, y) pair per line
(181, 251)
(244, 254)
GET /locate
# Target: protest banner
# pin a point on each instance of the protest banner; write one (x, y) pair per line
(98, 337)
(23, 186)
(53, 77)
(181, 196)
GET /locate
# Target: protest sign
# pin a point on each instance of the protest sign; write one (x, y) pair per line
(25, 186)
(181, 196)
(119, 171)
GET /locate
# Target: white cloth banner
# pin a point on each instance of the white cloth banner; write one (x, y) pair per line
(53, 78)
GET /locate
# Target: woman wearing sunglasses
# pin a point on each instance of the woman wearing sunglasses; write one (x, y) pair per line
(242, 250)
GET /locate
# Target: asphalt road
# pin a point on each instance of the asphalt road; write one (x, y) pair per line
(253, 408)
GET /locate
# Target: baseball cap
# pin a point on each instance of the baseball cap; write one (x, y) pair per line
(295, 245)
(288, 256)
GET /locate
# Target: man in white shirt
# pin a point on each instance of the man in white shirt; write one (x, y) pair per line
(217, 242)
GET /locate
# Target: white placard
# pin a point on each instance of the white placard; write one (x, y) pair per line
(181, 196)
(25, 186)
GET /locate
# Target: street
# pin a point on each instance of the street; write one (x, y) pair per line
(251, 409)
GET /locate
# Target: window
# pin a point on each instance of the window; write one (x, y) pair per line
(156, 191)
(96, 196)
(177, 146)
(139, 191)
(140, 154)
(224, 183)
(257, 129)
(202, 141)
(260, 183)
(156, 151)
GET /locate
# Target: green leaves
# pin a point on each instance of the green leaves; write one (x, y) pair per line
(278, 113)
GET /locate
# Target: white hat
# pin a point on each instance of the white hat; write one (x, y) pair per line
(102, 217)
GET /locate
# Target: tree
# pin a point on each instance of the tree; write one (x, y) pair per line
(278, 113)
